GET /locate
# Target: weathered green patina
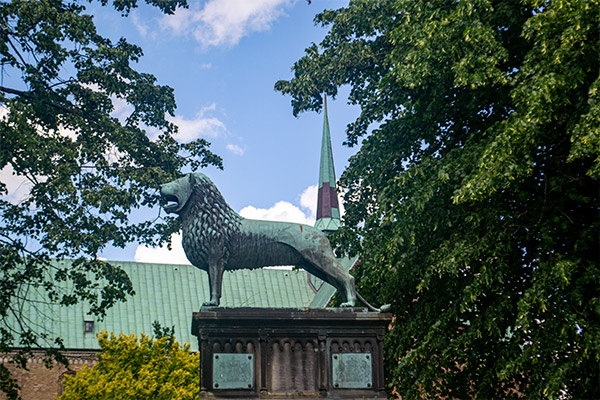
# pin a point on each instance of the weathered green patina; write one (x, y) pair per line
(216, 238)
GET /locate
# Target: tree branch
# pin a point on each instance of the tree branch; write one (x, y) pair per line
(31, 95)
(16, 50)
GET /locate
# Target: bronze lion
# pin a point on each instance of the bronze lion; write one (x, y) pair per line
(216, 238)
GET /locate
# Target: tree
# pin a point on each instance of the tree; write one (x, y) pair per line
(132, 368)
(473, 198)
(88, 170)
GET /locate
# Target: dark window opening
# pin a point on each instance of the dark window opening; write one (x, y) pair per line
(88, 326)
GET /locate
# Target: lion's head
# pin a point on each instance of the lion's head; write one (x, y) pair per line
(176, 194)
(202, 195)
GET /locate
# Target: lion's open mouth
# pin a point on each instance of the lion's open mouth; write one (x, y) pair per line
(170, 202)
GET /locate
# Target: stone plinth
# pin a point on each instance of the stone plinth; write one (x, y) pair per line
(290, 353)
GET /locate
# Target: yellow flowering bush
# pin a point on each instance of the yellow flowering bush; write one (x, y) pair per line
(132, 368)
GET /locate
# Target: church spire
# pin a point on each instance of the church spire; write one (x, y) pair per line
(328, 210)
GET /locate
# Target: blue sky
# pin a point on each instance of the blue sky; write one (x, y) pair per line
(223, 57)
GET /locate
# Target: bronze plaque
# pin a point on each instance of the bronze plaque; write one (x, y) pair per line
(233, 371)
(352, 370)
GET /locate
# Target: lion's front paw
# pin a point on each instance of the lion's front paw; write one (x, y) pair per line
(347, 304)
(211, 303)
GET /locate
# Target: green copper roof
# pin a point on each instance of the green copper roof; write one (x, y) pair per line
(328, 211)
(168, 294)
(329, 224)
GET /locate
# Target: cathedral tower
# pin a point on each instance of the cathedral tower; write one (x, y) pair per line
(328, 210)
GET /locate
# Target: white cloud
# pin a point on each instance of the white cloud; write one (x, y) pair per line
(163, 254)
(235, 149)
(225, 22)
(18, 186)
(122, 109)
(141, 27)
(281, 211)
(305, 213)
(308, 201)
(202, 125)
(179, 22)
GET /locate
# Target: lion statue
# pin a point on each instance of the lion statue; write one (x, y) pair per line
(216, 238)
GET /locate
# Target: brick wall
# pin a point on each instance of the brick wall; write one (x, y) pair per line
(41, 383)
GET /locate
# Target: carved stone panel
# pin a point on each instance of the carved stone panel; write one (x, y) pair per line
(292, 366)
(291, 353)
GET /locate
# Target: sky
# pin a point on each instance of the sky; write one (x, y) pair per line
(222, 58)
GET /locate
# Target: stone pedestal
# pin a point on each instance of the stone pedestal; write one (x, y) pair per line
(271, 353)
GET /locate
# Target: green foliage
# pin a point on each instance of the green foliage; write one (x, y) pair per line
(87, 169)
(132, 368)
(473, 198)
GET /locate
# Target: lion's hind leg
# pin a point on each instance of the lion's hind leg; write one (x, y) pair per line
(327, 268)
(350, 287)
(348, 294)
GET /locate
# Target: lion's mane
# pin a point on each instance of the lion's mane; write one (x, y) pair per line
(207, 221)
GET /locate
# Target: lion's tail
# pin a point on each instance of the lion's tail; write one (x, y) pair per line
(383, 308)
